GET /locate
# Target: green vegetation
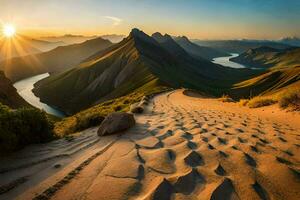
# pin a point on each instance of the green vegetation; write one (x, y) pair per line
(93, 116)
(23, 126)
(130, 64)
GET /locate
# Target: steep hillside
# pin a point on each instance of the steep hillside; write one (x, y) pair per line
(199, 51)
(128, 65)
(9, 95)
(283, 71)
(240, 46)
(265, 57)
(56, 60)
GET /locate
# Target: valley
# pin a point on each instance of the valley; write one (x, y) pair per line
(149, 100)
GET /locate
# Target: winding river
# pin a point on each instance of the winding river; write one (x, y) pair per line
(24, 88)
(226, 62)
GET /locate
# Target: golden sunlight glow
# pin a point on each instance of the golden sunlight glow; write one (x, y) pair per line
(9, 30)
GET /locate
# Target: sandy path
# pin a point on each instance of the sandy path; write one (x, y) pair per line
(184, 148)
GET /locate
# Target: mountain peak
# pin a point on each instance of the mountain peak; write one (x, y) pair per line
(161, 38)
(183, 38)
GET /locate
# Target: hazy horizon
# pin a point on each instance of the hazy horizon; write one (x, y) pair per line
(213, 20)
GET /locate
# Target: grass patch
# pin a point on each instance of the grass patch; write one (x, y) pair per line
(261, 101)
(290, 99)
(94, 116)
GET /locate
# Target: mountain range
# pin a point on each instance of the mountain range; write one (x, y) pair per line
(22, 45)
(282, 71)
(73, 39)
(197, 50)
(240, 46)
(124, 67)
(54, 61)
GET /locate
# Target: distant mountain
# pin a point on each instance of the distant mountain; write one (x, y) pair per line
(114, 38)
(15, 47)
(21, 45)
(69, 38)
(293, 41)
(239, 46)
(43, 45)
(135, 62)
(266, 57)
(54, 61)
(282, 71)
(9, 95)
(199, 51)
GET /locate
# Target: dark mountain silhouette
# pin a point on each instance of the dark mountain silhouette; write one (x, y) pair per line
(199, 51)
(54, 61)
(9, 95)
(136, 61)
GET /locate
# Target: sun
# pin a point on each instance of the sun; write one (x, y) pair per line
(9, 30)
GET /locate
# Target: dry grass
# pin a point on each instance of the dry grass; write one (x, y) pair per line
(94, 115)
(290, 99)
(244, 102)
(226, 98)
(261, 101)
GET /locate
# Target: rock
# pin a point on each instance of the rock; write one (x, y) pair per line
(136, 108)
(116, 122)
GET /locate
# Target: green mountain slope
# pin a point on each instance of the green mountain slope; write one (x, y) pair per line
(54, 61)
(282, 71)
(199, 51)
(129, 65)
(266, 57)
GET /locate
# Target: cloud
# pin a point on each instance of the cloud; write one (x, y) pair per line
(116, 21)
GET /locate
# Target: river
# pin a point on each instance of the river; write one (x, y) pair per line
(24, 88)
(226, 62)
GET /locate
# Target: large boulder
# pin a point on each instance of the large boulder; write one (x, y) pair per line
(116, 122)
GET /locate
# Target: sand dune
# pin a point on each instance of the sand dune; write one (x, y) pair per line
(183, 147)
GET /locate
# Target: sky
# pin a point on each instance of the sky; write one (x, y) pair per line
(197, 19)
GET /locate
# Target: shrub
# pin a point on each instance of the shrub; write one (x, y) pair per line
(259, 101)
(291, 98)
(23, 126)
(226, 98)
